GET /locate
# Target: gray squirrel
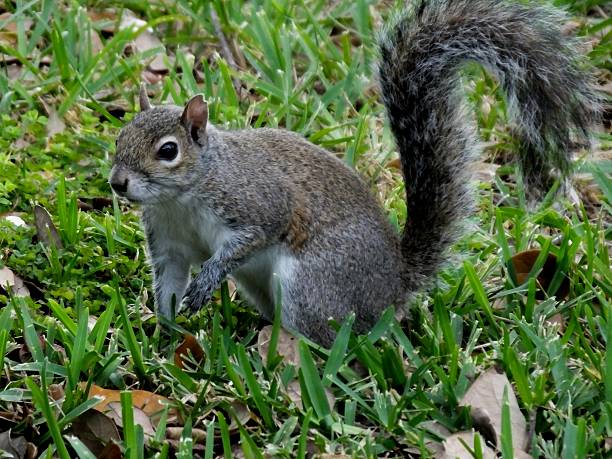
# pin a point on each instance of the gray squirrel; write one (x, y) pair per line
(270, 209)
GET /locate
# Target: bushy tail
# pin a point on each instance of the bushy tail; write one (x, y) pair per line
(550, 97)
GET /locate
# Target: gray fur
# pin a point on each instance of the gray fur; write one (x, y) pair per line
(267, 207)
(550, 96)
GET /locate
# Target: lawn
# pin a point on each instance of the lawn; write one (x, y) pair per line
(509, 354)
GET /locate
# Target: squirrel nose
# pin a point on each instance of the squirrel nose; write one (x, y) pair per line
(120, 186)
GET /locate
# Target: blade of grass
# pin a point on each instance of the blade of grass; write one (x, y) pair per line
(127, 420)
(314, 387)
(129, 333)
(41, 400)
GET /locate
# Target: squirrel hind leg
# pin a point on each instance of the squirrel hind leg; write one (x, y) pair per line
(348, 285)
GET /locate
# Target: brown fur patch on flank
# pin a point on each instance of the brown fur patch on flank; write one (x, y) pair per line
(297, 228)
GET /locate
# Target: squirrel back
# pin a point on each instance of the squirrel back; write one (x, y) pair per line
(550, 98)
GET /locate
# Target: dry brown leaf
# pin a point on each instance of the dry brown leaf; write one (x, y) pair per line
(95, 429)
(111, 451)
(151, 77)
(174, 433)
(484, 171)
(95, 42)
(13, 416)
(89, 204)
(8, 39)
(485, 397)
(188, 350)
(15, 72)
(21, 143)
(11, 25)
(558, 320)
(107, 17)
(436, 428)
(395, 164)
(524, 261)
(294, 392)
(240, 415)
(11, 281)
(435, 448)
(56, 391)
(55, 124)
(113, 411)
(455, 449)
(149, 403)
(31, 451)
(287, 345)
(145, 41)
(45, 229)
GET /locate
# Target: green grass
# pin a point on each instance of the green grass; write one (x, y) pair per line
(305, 66)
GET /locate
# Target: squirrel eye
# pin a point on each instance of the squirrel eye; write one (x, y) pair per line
(168, 151)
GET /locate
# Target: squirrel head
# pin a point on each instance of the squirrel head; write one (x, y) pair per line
(158, 151)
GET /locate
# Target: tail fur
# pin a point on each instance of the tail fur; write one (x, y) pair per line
(550, 97)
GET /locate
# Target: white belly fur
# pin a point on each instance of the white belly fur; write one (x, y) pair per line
(202, 233)
(262, 278)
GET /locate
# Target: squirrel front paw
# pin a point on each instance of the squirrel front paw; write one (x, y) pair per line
(195, 297)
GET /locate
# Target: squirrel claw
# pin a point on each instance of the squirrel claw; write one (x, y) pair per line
(194, 298)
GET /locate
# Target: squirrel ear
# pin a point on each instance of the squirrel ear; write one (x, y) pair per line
(195, 116)
(143, 97)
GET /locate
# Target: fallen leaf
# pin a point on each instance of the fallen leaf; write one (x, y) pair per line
(111, 451)
(151, 77)
(55, 124)
(485, 397)
(436, 428)
(484, 171)
(149, 403)
(435, 447)
(240, 415)
(17, 447)
(95, 430)
(145, 41)
(94, 41)
(188, 351)
(106, 18)
(140, 418)
(56, 392)
(454, 447)
(45, 229)
(21, 144)
(12, 416)
(294, 392)
(558, 320)
(11, 25)
(89, 204)
(237, 452)
(523, 263)
(31, 451)
(174, 433)
(287, 346)
(11, 281)
(395, 164)
(8, 39)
